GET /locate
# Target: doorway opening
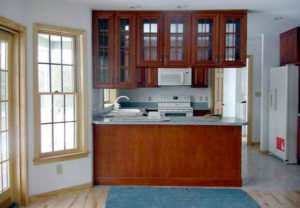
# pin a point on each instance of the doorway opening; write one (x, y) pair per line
(232, 95)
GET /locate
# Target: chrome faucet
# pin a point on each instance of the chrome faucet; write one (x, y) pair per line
(117, 105)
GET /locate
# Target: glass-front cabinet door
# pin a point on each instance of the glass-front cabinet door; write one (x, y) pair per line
(177, 39)
(149, 39)
(103, 49)
(125, 50)
(233, 39)
(205, 30)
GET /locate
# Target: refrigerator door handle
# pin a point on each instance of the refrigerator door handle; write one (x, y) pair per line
(275, 99)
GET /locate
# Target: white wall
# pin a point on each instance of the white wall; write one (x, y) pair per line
(43, 178)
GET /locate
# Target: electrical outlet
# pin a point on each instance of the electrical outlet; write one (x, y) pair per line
(200, 98)
(257, 94)
(149, 98)
(59, 169)
(206, 98)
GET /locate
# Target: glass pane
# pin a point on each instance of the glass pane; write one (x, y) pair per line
(56, 78)
(180, 28)
(180, 40)
(68, 81)
(4, 86)
(44, 78)
(5, 170)
(146, 26)
(58, 108)
(43, 48)
(180, 54)
(3, 54)
(69, 108)
(173, 28)
(103, 25)
(4, 145)
(153, 26)
(70, 135)
(4, 116)
(59, 134)
(146, 54)
(173, 54)
(153, 41)
(46, 138)
(46, 108)
(67, 43)
(153, 54)
(146, 40)
(173, 41)
(55, 49)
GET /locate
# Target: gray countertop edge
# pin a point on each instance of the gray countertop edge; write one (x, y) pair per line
(182, 121)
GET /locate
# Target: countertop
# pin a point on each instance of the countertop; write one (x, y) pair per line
(225, 121)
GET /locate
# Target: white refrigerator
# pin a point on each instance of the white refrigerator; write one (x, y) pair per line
(283, 110)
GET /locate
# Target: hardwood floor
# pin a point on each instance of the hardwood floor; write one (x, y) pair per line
(96, 197)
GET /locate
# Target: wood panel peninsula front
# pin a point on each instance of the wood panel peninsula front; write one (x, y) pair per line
(180, 152)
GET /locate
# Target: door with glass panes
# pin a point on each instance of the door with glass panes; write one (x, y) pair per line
(5, 160)
(232, 39)
(205, 48)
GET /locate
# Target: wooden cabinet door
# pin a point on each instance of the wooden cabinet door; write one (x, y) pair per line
(283, 48)
(233, 36)
(205, 34)
(292, 53)
(177, 39)
(103, 49)
(149, 39)
(140, 77)
(125, 49)
(151, 77)
(200, 78)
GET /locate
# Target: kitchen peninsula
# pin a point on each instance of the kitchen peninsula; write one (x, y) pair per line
(184, 151)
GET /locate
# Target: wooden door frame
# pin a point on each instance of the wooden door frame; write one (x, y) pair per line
(19, 87)
(249, 96)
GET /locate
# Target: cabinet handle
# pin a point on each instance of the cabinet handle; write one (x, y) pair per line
(216, 59)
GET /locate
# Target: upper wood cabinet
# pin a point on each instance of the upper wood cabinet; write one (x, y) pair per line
(125, 49)
(149, 39)
(177, 39)
(103, 49)
(290, 47)
(233, 39)
(205, 35)
(200, 78)
(147, 77)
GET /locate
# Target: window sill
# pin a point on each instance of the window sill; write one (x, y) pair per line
(59, 158)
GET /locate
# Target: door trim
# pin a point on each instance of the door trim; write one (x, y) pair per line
(19, 156)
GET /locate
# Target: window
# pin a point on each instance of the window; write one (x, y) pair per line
(109, 96)
(59, 92)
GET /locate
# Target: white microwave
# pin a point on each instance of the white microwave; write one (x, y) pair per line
(174, 76)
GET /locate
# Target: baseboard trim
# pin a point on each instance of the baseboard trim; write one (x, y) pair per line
(55, 192)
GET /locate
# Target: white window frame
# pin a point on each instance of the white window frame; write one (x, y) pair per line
(81, 106)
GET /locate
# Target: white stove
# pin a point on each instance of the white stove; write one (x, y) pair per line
(175, 105)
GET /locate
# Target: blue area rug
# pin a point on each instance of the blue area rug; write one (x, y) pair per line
(164, 197)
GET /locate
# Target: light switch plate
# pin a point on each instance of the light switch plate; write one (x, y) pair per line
(59, 169)
(149, 98)
(257, 94)
(200, 98)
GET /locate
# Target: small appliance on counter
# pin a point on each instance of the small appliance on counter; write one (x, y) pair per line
(175, 105)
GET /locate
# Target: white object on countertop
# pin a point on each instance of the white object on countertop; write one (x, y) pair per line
(117, 105)
(283, 109)
(154, 115)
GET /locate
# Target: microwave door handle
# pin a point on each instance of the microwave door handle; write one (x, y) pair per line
(182, 78)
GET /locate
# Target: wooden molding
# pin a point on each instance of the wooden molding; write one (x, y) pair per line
(59, 191)
(19, 87)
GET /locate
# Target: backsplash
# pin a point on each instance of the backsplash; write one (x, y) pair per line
(153, 94)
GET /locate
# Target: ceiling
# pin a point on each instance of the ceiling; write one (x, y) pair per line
(273, 8)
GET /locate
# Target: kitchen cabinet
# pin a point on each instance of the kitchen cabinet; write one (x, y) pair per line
(149, 39)
(114, 35)
(177, 39)
(205, 33)
(201, 112)
(200, 77)
(290, 47)
(147, 77)
(103, 49)
(233, 39)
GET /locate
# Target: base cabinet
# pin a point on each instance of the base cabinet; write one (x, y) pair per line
(175, 155)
